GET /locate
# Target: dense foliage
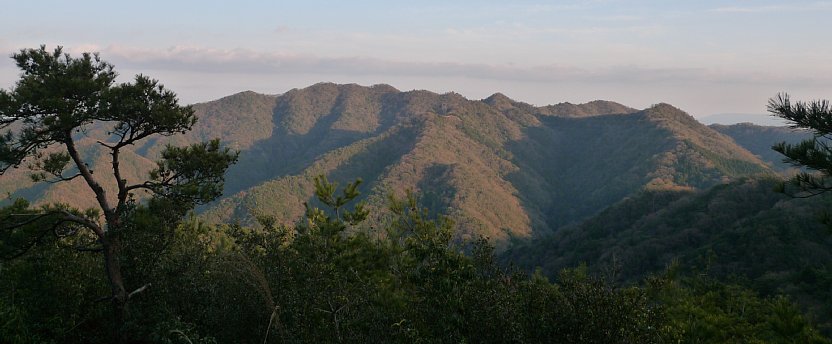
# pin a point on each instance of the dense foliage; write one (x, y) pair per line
(744, 232)
(330, 278)
(46, 115)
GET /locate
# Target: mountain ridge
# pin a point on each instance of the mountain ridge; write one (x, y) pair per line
(494, 130)
(500, 167)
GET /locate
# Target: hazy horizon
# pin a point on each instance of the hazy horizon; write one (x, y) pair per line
(706, 58)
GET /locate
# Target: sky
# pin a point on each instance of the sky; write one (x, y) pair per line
(705, 57)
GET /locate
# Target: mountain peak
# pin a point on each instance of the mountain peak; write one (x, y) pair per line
(665, 111)
(248, 94)
(499, 101)
(593, 108)
(663, 107)
(384, 88)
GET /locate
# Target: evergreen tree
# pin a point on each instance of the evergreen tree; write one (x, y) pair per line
(56, 99)
(814, 154)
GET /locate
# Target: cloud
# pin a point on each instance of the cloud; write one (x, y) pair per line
(199, 73)
(247, 62)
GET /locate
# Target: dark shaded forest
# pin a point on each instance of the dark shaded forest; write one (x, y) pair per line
(331, 279)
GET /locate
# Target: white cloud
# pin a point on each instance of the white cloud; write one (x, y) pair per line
(199, 74)
(243, 61)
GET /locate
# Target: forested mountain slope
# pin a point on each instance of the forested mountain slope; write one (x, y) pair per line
(759, 139)
(499, 167)
(742, 230)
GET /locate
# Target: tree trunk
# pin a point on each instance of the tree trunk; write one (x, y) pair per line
(112, 248)
(110, 241)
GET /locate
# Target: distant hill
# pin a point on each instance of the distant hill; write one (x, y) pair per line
(759, 139)
(498, 167)
(736, 118)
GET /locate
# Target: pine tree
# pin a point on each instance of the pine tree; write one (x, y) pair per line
(52, 104)
(814, 154)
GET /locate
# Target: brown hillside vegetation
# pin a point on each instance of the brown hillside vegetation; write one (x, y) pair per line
(499, 167)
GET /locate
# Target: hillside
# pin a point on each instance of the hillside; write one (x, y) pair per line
(759, 139)
(499, 167)
(742, 230)
(761, 119)
(239, 120)
(503, 168)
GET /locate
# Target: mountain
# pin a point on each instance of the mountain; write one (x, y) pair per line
(499, 167)
(503, 168)
(743, 230)
(16, 183)
(759, 139)
(737, 118)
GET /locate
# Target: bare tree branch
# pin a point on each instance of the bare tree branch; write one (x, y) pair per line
(137, 291)
(61, 178)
